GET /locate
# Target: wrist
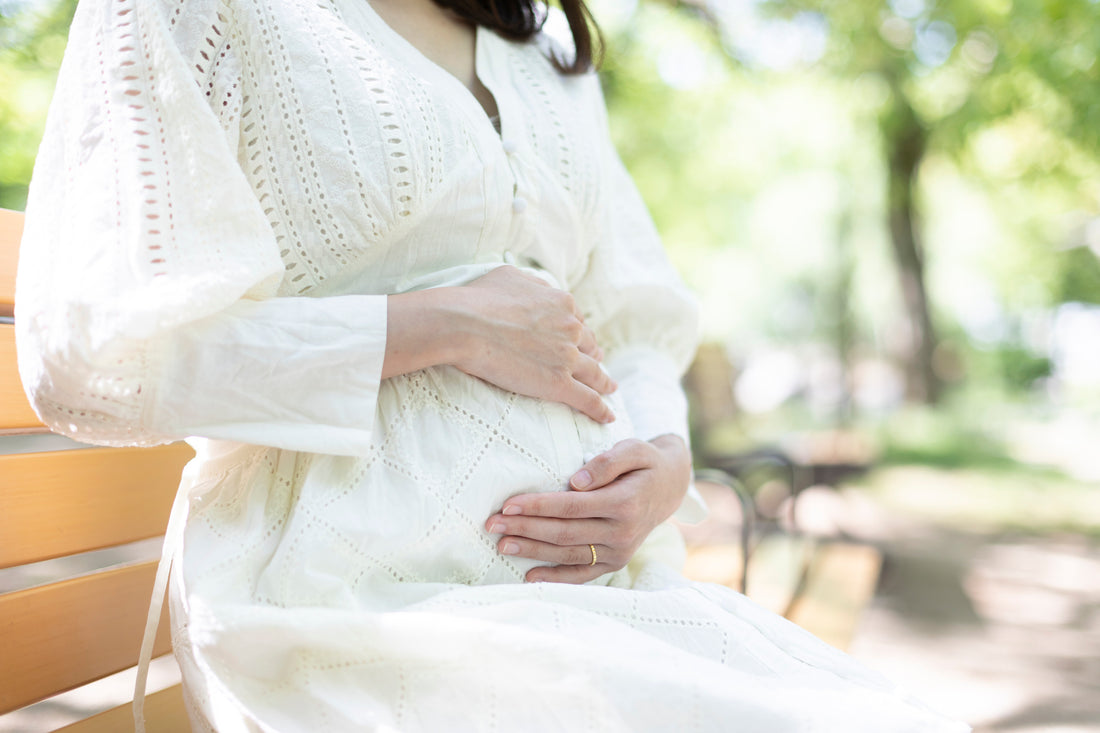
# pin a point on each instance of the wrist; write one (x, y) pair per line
(670, 442)
(675, 450)
(457, 317)
(425, 328)
(449, 323)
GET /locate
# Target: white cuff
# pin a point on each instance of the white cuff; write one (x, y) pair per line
(649, 383)
(293, 373)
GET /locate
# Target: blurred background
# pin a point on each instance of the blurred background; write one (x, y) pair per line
(890, 212)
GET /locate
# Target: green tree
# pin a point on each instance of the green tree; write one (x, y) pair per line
(32, 40)
(954, 68)
(950, 71)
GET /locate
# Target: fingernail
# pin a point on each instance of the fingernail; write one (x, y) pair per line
(509, 548)
(582, 479)
(512, 510)
(496, 528)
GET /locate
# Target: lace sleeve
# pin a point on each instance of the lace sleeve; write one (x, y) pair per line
(642, 314)
(146, 308)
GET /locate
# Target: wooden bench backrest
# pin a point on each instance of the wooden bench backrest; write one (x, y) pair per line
(11, 229)
(62, 635)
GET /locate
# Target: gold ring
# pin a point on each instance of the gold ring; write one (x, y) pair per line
(593, 548)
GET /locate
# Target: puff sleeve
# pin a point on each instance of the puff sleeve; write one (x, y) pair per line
(641, 312)
(146, 290)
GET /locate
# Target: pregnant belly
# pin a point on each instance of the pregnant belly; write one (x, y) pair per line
(448, 449)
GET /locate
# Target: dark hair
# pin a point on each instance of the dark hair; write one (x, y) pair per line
(519, 20)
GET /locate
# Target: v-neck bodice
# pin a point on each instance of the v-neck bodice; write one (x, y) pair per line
(437, 183)
(461, 94)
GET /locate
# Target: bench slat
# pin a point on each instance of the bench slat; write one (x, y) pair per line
(63, 502)
(164, 713)
(60, 636)
(15, 412)
(841, 584)
(11, 231)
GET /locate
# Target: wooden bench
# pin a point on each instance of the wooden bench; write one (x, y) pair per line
(55, 504)
(69, 633)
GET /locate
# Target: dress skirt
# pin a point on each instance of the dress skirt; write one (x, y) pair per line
(322, 593)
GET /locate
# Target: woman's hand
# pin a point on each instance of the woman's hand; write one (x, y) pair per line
(507, 327)
(527, 337)
(618, 498)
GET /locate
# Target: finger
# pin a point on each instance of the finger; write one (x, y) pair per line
(586, 400)
(588, 372)
(571, 505)
(551, 530)
(546, 552)
(568, 573)
(587, 344)
(623, 457)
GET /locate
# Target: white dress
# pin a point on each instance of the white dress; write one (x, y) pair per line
(227, 191)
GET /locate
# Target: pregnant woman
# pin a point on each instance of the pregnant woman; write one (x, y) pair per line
(379, 262)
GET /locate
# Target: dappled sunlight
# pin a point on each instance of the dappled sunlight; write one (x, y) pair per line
(998, 500)
(1028, 585)
(1067, 442)
(1028, 647)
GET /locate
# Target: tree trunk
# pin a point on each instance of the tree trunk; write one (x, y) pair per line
(905, 140)
(844, 335)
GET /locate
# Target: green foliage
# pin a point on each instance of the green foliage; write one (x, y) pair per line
(1005, 94)
(1020, 368)
(1080, 276)
(964, 66)
(32, 41)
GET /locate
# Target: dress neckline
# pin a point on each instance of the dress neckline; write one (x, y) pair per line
(463, 95)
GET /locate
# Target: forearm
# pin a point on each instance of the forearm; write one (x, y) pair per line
(508, 328)
(422, 330)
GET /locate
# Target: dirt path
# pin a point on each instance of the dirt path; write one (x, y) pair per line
(1000, 630)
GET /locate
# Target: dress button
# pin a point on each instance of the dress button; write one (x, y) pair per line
(519, 204)
(510, 146)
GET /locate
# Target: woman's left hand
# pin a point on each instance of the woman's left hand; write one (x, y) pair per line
(618, 498)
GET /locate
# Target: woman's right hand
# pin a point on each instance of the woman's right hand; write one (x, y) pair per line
(521, 334)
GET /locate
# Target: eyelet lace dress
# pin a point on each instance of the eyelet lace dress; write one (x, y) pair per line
(226, 193)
